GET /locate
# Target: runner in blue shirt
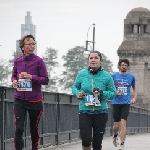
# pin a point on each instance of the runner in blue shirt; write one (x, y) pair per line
(123, 81)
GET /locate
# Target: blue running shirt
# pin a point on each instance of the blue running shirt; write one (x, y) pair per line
(123, 84)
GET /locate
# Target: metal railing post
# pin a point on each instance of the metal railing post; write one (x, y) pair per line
(58, 118)
(2, 130)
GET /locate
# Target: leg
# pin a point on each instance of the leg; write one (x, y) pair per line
(99, 125)
(124, 114)
(123, 130)
(116, 127)
(34, 116)
(85, 125)
(19, 118)
(117, 119)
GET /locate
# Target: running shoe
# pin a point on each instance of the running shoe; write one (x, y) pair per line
(115, 141)
(121, 147)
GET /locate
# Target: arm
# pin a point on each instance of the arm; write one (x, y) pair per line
(14, 73)
(14, 77)
(133, 101)
(41, 78)
(76, 88)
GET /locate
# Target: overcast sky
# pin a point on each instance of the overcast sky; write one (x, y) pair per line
(63, 24)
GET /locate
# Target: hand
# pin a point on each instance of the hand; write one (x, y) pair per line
(15, 84)
(21, 76)
(133, 101)
(81, 94)
(25, 75)
(119, 93)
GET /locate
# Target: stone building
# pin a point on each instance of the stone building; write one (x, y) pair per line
(136, 47)
(27, 28)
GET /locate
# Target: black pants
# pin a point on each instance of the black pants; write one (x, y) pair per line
(92, 128)
(21, 108)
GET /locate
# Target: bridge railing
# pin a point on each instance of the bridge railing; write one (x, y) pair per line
(59, 122)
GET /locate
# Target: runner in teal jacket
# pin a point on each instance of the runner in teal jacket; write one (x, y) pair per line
(93, 87)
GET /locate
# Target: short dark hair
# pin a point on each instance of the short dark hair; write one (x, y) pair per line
(123, 60)
(97, 52)
(21, 41)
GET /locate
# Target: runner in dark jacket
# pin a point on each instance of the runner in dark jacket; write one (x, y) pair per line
(29, 74)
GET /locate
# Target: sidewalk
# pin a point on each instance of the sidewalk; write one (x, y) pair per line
(133, 142)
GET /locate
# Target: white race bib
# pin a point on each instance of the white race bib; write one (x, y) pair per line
(91, 100)
(25, 85)
(122, 90)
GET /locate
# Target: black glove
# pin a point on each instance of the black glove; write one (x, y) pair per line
(100, 93)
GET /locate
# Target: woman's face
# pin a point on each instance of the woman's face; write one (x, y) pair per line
(29, 46)
(94, 61)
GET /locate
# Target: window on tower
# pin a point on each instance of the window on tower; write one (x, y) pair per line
(138, 28)
(144, 29)
(135, 28)
(132, 28)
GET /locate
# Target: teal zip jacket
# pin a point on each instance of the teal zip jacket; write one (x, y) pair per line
(86, 82)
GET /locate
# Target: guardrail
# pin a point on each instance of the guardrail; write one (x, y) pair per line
(59, 122)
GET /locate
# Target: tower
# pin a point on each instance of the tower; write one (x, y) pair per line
(136, 47)
(27, 28)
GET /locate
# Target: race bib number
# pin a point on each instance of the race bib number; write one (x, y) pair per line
(122, 90)
(25, 85)
(92, 100)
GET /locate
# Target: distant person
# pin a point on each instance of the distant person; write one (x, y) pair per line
(29, 73)
(121, 103)
(92, 87)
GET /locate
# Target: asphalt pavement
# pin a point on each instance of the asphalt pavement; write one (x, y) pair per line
(133, 142)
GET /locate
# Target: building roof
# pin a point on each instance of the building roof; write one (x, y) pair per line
(140, 9)
(138, 12)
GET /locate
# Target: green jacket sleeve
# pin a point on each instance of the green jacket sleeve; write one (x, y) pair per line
(77, 85)
(110, 92)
